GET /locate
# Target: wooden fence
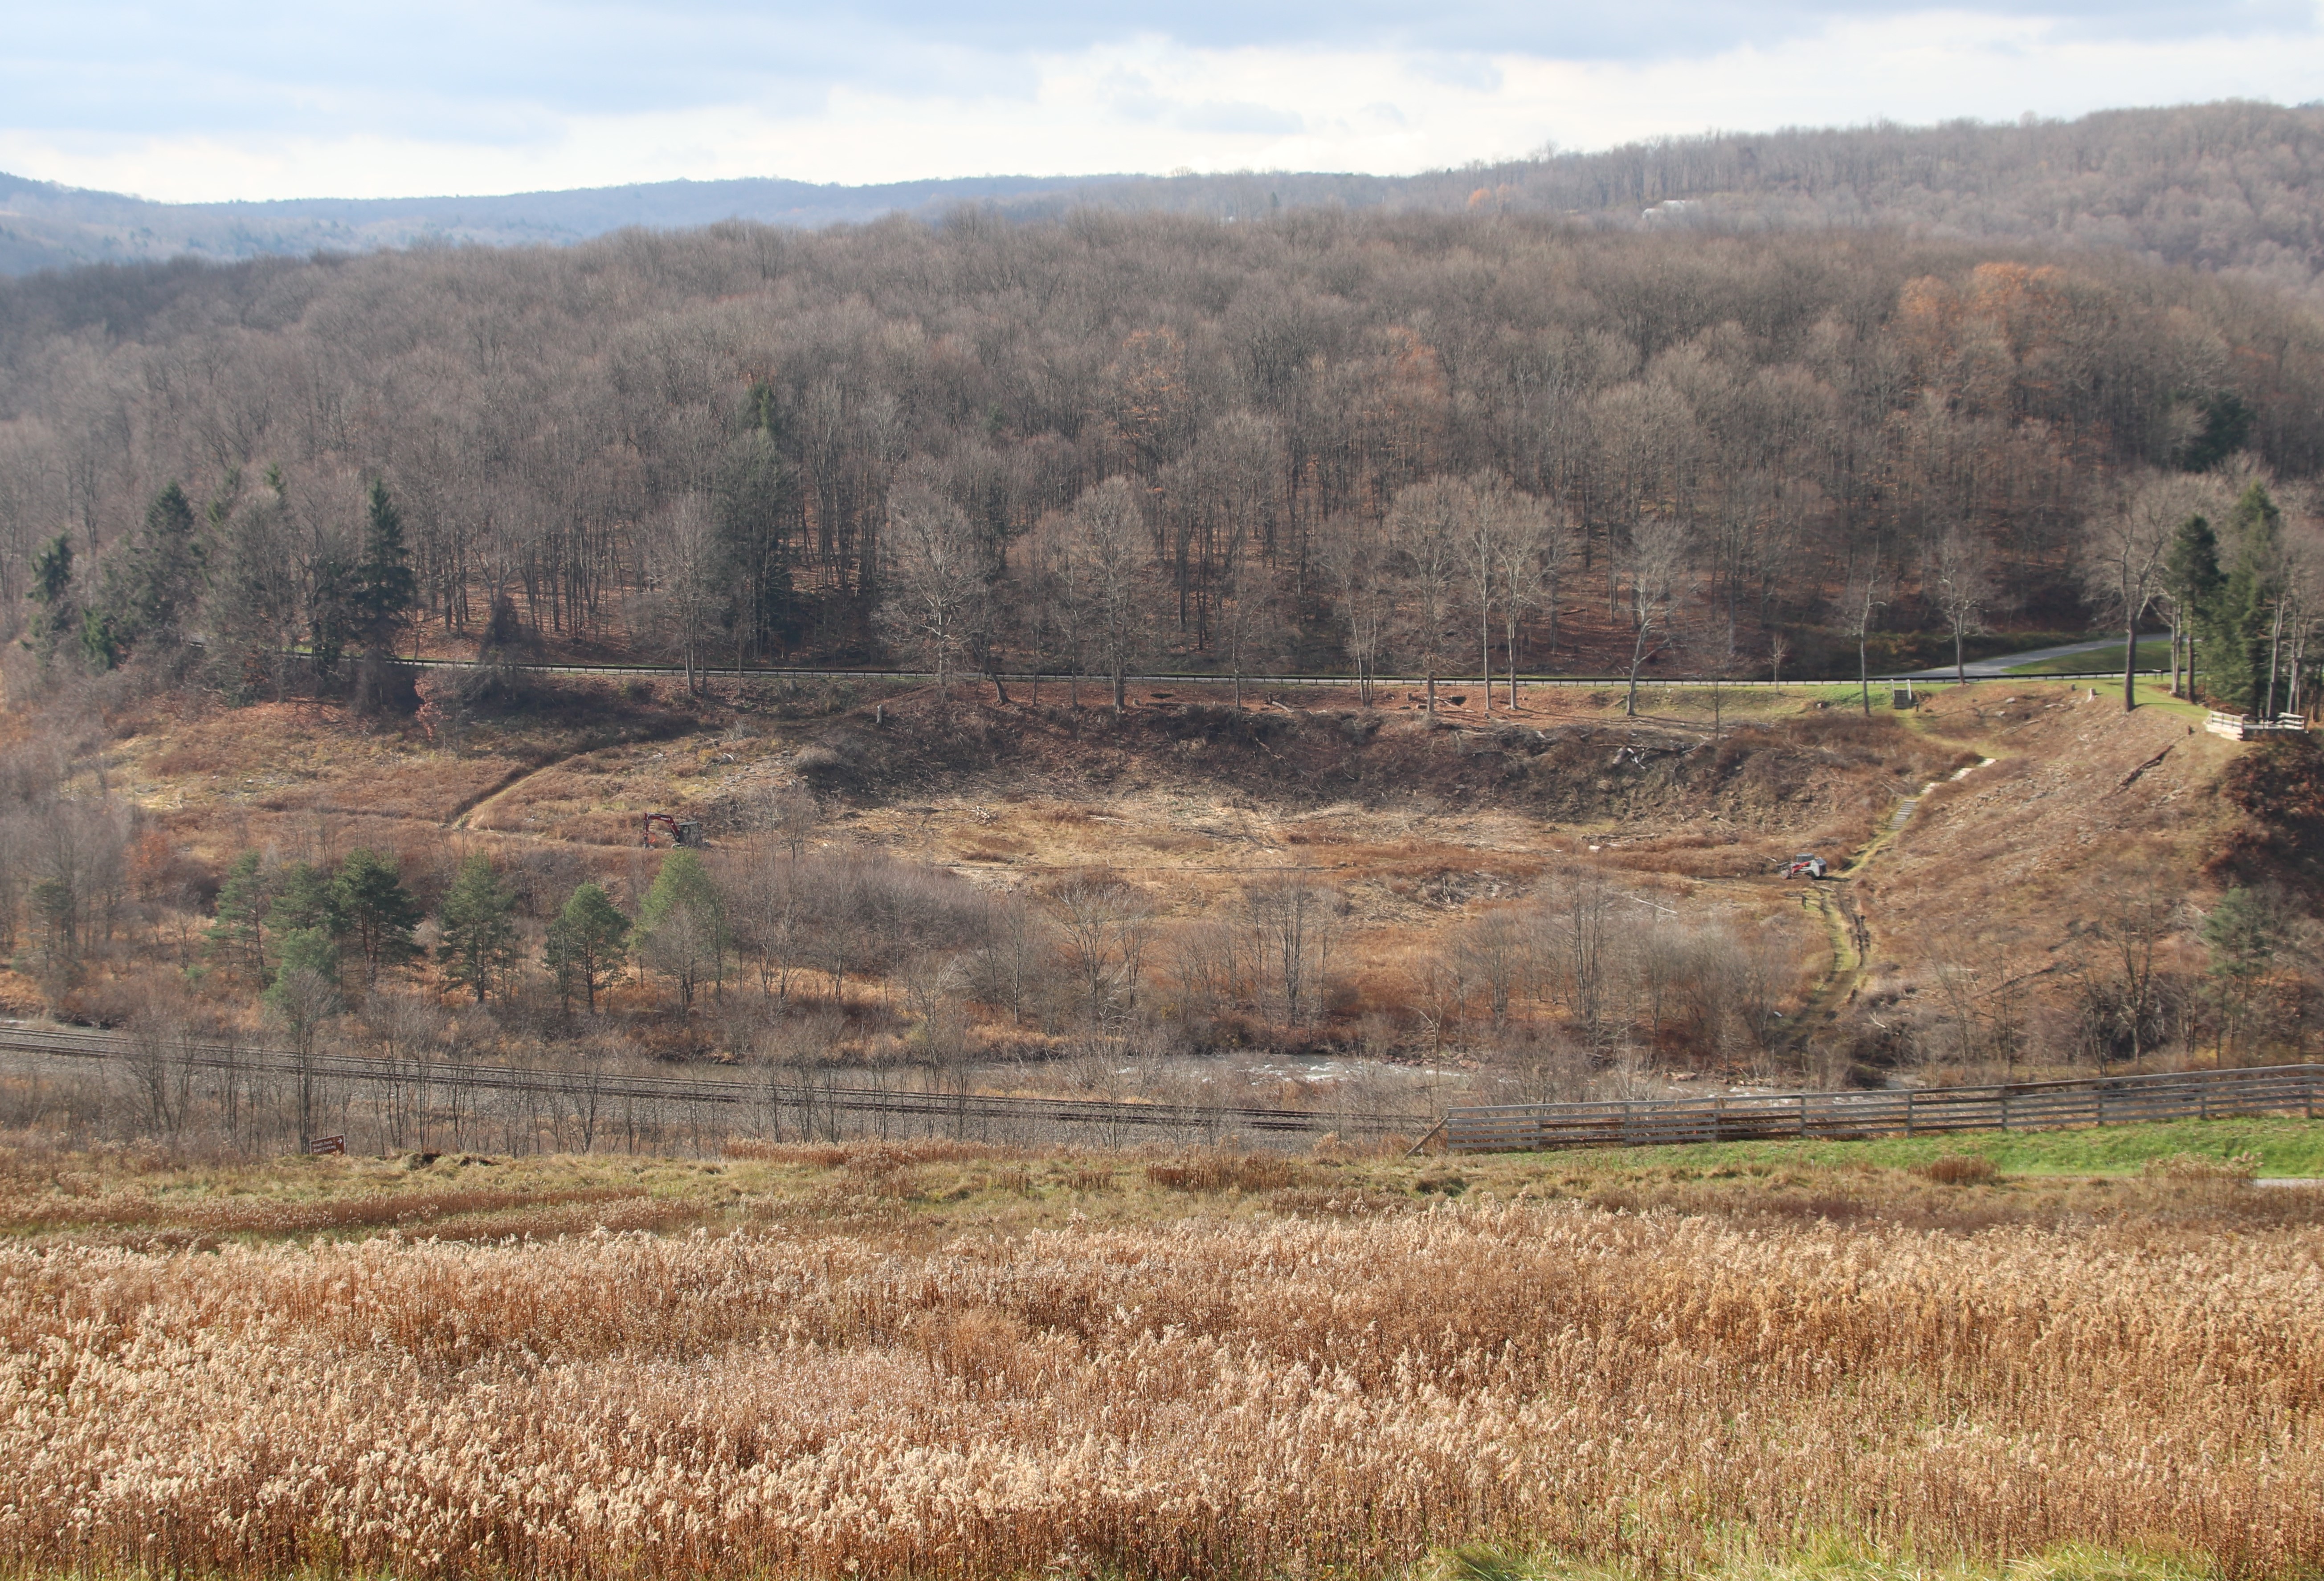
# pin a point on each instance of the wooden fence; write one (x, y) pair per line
(2021, 1106)
(2238, 727)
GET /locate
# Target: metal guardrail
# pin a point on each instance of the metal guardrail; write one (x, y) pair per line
(790, 1088)
(1910, 1112)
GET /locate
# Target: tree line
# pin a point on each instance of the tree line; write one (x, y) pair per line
(1072, 444)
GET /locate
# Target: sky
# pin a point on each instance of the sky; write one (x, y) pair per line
(202, 101)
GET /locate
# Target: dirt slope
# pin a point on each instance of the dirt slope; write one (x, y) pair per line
(2010, 872)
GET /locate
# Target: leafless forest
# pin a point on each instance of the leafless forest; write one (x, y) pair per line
(2226, 187)
(748, 443)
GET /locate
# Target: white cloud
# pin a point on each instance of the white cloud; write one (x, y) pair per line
(1148, 104)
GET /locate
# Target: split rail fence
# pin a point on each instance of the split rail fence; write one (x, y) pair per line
(2027, 1105)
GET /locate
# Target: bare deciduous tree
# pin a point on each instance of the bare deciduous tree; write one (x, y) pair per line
(1654, 558)
(1427, 527)
(1295, 919)
(936, 581)
(1106, 922)
(1111, 547)
(2124, 551)
(1961, 583)
(687, 597)
(1860, 603)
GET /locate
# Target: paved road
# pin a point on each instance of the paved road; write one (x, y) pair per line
(2001, 664)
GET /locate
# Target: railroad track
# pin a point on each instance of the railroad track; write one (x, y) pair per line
(792, 1087)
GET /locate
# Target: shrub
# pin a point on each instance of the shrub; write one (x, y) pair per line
(1960, 1169)
(1224, 1172)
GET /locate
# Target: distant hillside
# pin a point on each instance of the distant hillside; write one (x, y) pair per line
(44, 226)
(2235, 186)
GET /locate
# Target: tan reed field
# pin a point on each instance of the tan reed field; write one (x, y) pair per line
(1207, 1397)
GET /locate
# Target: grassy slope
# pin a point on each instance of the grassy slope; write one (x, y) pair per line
(2285, 1148)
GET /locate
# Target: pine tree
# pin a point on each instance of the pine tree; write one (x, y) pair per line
(304, 903)
(682, 925)
(2244, 626)
(237, 936)
(378, 912)
(154, 584)
(330, 621)
(382, 590)
(254, 607)
(755, 496)
(306, 949)
(2245, 932)
(479, 934)
(2191, 581)
(585, 946)
(52, 589)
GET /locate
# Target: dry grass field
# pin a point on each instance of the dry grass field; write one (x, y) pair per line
(946, 1360)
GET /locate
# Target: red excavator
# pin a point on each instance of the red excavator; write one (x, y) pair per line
(1806, 865)
(681, 831)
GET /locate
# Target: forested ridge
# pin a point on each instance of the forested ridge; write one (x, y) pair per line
(1319, 438)
(2231, 186)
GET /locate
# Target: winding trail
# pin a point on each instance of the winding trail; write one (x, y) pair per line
(1844, 926)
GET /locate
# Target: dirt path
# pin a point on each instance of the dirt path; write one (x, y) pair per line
(461, 815)
(1844, 926)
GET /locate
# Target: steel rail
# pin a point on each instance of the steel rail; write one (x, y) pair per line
(105, 1046)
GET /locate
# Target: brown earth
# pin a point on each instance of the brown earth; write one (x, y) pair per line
(1423, 822)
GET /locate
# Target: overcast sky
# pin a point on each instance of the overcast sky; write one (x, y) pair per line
(200, 100)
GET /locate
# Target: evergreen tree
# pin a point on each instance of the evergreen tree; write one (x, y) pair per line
(2191, 580)
(585, 946)
(377, 911)
(255, 608)
(52, 572)
(2244, 625)
(154, 583)
(237, 937)
(479, 933)
(101, 643)
(682, 925)
(755, 498)
(310, 951)
(52, 589)
(57, 911)
(2245, 932)
(330, 619)
(382, 590)
(304, 903)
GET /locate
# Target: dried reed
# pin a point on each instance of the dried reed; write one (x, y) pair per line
(1199, 1400)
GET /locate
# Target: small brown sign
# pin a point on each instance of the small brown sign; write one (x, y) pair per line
(328, 1145)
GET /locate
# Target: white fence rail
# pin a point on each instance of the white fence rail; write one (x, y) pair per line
(2236, 727)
